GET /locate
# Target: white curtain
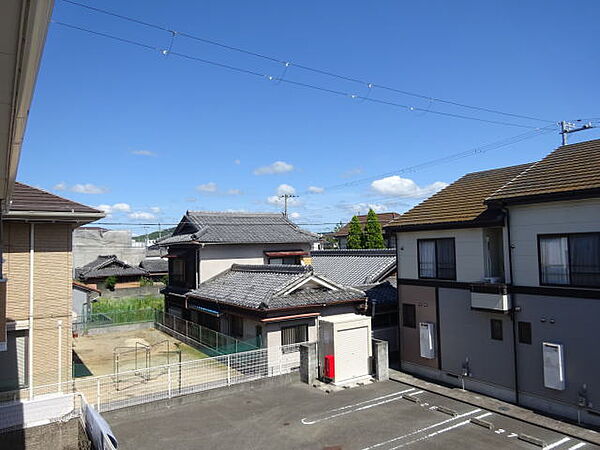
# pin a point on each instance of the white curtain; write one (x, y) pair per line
(554, 260)
(427, 259)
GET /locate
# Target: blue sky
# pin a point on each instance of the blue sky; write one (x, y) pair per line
(149, 135)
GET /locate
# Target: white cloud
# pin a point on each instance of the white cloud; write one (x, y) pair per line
(208, 187)
(405, 187)
(143, 153)
(237, 162)
(283, 189)
(60, 186)
(87, 188)
(234, 192)
(316, 189)
(295, 215)
(155, 209)
(140, 215)
(352, 172)
(363, 208)
(276, 167)
(117, 207)
(191, 199)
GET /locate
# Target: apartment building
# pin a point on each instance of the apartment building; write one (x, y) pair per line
(36, 336)
(499, 283)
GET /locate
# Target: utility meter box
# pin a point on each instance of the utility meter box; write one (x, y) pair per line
(345, 341)
(427, 339)
(554, 366)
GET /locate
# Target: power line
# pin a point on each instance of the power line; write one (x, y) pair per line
(288, 63)
(285, 80)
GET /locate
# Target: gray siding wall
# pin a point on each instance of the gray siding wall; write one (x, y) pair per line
(469, 252)
(466, 333)
(527, 221)
(576, 327)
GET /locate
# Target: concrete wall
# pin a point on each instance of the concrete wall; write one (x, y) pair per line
(217, 258)
(527, 221)
(466, 333)
(139, 291)
(468, 246)
(89, 243)
(572, 322)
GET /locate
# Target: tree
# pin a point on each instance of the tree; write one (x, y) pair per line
(110, 283)
(373, 236)
(355, 234)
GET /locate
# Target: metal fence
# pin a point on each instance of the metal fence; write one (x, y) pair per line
(134, 387)
(111, 318)
(212, 342)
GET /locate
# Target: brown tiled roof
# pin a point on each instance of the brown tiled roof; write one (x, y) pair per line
(384, 219)
(28, 198)
(569, 168)
(462, 202)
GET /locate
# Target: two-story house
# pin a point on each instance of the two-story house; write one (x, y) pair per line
(36, 341)
(341, 235)
(499, 283)
(205, 244)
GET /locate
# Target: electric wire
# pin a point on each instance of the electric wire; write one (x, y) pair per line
(288, 63)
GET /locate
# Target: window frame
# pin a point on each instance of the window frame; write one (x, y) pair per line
(435, 240)
(234, 322)
(570, 265)
(501, 322)
(521, 335)
(305, 325)
(414, 315)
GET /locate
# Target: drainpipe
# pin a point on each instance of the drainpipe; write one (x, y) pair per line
(59, 324)
(513, 312)
(30, 338)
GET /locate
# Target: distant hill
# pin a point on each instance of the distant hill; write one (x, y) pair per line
(154, 235)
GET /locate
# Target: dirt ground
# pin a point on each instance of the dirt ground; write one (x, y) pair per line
(97, 352)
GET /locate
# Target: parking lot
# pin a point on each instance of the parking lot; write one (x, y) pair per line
(379, 416)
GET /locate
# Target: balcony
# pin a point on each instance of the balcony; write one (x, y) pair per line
(490, 296)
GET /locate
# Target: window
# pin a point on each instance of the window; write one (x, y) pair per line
(437, 258)
(409, 315)
(236, 326)
(385, 320)
(293, 260)
(524, 332)
(570, 259)
(177, 275)
(496, 329)
(294, 335)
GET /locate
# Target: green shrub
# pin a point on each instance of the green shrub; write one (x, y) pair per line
(110, 283)
(127, 304)
(144, 281)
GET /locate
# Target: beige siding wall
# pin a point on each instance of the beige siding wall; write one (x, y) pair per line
(528, 221)
(469, 252)
(217, 258)
(52, 293)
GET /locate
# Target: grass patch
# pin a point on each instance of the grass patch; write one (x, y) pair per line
(127, 304)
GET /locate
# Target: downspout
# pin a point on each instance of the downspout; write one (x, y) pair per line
(30, 338)
(513, 312)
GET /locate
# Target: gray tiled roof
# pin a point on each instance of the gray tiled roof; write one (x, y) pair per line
(354, 267)
(385, 292)
(155, 265)
(238, 228)
(261, 286)
(105, 266)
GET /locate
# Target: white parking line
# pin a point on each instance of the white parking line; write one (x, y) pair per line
(415, 393)
(443, 422)
(557, 443)
(358, 406)
(435, 433)
(581, 444)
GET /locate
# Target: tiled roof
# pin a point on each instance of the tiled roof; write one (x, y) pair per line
(261, 287)
(574, 167)
(155, 265)
(29, 198)
(105, 266)
(462, 202)
(384, 219)
(239, 228)
(384, 293)
(354, 267)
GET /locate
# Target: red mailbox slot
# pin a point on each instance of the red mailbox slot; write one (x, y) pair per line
(329, 371)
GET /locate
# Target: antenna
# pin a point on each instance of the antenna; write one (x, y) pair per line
(569, 127)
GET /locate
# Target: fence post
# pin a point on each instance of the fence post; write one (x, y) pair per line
(170, 385)
(98, 395)
(228, 370)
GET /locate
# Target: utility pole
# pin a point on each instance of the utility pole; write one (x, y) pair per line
(568, 127)
(285, 202)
